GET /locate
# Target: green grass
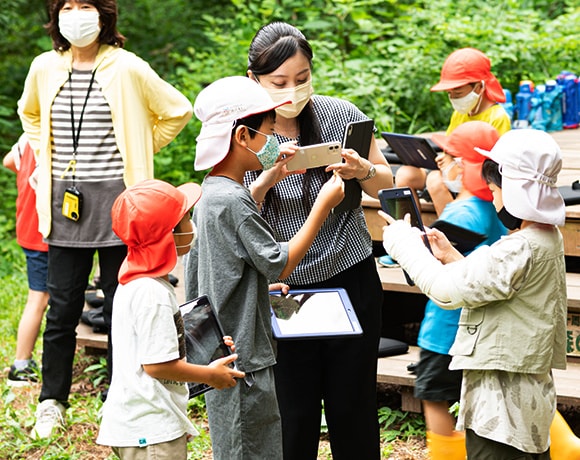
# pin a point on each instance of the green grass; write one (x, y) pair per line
(17, 406)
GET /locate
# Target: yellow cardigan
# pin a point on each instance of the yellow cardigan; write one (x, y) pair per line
(147, 113)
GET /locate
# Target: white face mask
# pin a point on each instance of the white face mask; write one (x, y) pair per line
(80, 28)
(466, 104)
(299, 95)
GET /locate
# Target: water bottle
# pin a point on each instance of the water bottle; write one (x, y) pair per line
(508, 104)
(552, 106)
(570, 85)
(523, 102)
(536, 116)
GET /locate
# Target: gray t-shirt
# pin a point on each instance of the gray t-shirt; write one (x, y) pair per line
(234, 258)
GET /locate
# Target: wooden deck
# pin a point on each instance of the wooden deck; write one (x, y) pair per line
(393, 370)
(392, 279)
(95, 342)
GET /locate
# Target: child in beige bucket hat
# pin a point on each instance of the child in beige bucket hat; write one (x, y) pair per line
(512, 330)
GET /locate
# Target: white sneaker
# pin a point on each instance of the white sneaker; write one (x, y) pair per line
(49, 415)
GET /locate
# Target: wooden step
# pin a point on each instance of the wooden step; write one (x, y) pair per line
(393, 370)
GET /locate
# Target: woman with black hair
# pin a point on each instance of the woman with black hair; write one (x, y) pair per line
(95, 114)
(337, 373)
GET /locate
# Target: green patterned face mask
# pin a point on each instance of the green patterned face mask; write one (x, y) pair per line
(269, 153)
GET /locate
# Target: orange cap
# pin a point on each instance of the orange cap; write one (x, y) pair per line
(144, 217)
(469, 65)
(462, 143)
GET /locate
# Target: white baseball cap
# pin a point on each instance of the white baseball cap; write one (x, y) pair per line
(529, 162)
(218, 106)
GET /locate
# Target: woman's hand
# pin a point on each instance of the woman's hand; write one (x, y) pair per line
(353, 167)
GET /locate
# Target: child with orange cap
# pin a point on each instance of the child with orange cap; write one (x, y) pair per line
(474, 93)
(146, 408)
(472, 209)
(512, 330)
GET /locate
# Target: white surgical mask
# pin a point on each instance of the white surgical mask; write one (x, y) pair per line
(466, 104)
(80, 28)
(299, 95)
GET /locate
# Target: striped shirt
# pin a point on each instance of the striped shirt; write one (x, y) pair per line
(343, 240)
(98, 171)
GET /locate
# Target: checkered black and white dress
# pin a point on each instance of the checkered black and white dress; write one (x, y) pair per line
(344, 239)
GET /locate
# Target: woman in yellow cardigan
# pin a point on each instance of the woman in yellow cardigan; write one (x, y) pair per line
(95, 115)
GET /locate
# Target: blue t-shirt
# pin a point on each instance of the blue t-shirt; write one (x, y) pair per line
(439, 326)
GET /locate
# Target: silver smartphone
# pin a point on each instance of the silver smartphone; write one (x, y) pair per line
(313, 156)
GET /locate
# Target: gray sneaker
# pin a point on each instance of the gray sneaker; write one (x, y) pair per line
(49, 415)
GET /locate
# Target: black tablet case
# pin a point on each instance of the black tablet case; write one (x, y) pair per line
(357, 136)
(203, 337)
(463, 239)
(412, 150)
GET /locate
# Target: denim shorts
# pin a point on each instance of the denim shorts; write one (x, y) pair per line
(37, 269)
(435, 382)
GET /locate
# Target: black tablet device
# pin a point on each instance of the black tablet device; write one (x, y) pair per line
(358, 136)
(412, 150)
(462, 239)
(397, 202)
(203, 337)
(313, 314)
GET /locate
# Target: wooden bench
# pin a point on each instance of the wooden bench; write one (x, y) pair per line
(392, 370)
(95, 342)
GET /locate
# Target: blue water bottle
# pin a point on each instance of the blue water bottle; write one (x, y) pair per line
(508, 105)
(523, 103)
(552, 106)
(570, 99)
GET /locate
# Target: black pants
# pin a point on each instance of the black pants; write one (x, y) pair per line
(68, 275)
(340, 372)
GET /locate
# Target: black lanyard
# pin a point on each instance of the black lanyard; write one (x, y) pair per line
(76, 135)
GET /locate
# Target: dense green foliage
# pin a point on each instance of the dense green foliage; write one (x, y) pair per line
(383, 55)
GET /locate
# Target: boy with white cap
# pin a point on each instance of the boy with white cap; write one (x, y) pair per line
(512, 330)
(145, 414)
(436, 385)
(236, 256)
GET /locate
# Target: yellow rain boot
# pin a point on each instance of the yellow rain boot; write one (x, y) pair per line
(564, 444)
(446, 447)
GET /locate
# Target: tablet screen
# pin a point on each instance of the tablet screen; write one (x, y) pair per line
(313, 313)
(203, 337)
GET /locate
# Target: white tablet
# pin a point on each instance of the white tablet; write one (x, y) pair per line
(313, 314)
